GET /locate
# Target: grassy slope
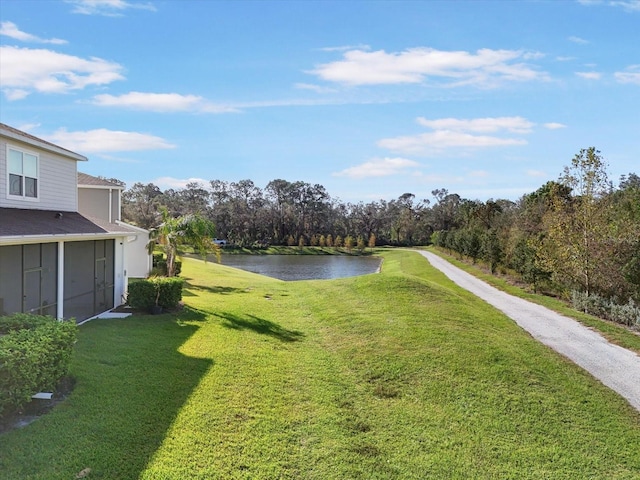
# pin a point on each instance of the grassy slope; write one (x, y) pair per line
(397, 375)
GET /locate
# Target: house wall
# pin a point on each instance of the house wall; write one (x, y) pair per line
(115, 206)
(57, 179)
(94, 202)
(138, 260)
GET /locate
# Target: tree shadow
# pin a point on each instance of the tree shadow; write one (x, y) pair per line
(259, 325)
(132, 381)
(188, 288)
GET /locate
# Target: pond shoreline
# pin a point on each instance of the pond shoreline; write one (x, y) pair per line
(305, 267)
(282, 250)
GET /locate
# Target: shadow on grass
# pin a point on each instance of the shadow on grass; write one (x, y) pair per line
(131, 383)
(188, 288)
(259, 325)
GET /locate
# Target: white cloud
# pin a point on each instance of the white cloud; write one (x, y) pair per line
(628, 5)
(24, 70)
(554, 125)
(378, 167)
(589, 75)
(314, 88)
(14, 94)
(161, 102)
(484, 68)
(108, 8)
(630, 75)
(459, 134)
(536, 173)
(10, 29)
(103, 140)
(578, 40)
(435, 142)
(485, 125)
(176, 183)
(345, 48)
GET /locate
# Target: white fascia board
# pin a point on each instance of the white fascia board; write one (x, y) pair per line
(43, 145)
(28, 239)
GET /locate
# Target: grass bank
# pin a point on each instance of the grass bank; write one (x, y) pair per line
(395, 375)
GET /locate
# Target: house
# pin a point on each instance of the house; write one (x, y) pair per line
(56, 257)
(101, 199)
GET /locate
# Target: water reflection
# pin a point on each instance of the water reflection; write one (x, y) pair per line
(304, 267)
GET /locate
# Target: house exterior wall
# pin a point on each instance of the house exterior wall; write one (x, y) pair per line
(138, 261)
(94, 202)
(115, 206)
(98, 202)
(56, 179)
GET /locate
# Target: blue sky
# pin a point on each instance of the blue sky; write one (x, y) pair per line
(488, 99)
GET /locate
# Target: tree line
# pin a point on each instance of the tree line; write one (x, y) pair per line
(577, 233)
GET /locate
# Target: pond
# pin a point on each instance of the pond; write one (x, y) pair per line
(304, 267)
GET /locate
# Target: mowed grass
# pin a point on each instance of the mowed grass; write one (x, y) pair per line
(393, 375)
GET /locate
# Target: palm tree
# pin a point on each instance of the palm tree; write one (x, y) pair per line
(191, 229)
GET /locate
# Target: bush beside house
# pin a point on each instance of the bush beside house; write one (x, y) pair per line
(165, 292)
(35, 352)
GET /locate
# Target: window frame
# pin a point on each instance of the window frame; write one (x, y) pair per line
(23, 195)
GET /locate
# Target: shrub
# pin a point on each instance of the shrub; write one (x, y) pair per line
(160, 265)
(33, 358)
(21, 321)
(163, 291)
(628, 314)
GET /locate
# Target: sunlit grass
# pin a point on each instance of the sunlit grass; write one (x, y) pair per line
(395, 375)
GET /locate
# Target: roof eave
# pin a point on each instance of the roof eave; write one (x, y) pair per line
(45, 146)
(68, 237)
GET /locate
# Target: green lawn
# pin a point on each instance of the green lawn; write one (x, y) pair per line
(393, 375)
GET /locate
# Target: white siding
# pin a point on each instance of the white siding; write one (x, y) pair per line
(137, 258)
(57, 180)
(3, 171)
(94, 202)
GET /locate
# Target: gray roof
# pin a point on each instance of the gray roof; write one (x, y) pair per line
(89, 180)
(17, 222)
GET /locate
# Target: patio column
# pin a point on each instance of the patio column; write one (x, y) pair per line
(60, 292)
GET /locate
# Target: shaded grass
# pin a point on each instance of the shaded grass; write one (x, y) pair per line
(396, 375)
(131, 381)
(615, 333)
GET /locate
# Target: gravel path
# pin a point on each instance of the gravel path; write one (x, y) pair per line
(616, 367)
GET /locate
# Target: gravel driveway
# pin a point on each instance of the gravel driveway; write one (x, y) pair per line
(616, 367)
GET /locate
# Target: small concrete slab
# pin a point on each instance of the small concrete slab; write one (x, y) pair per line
(42, 396)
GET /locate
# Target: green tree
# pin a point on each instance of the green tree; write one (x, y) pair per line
(348, 242)
(192, 230)
(575, 245)
(492, 251)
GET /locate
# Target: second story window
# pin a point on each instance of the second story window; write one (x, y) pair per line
(23, 174)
